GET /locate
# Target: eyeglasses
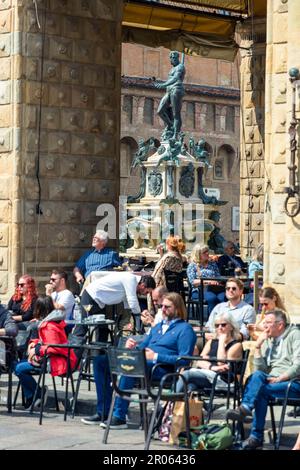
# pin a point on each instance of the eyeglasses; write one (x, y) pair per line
(265, 303)
(21, 284)
(52, 279)
(230, 287)
(221, 324)
(166, 306)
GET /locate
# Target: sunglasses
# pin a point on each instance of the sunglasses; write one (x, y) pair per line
(232, 288)
(21, 284)
(53, 280)
(220, 324)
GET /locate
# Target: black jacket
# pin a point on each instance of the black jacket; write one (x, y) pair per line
(7, 322)
(227, 265)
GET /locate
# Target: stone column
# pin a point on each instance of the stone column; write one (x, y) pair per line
(282, 236)
(59, 138)
(252, 187)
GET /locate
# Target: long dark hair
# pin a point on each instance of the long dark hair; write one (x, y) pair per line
(43, 306)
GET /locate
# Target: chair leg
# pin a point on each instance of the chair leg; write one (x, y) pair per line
(273, 425)
(55, 394)
(105, 437)
(280, 427)
(151, 424)
(16, 395)
(9, 391)
(43, 393)
(145, 419)
(75, 397)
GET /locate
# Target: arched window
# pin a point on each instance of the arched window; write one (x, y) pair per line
(148, 111)
(127, 108)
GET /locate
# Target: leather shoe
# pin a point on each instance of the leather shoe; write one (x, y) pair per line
(251, 444)
(239, 414)
(294, 412)
(95, 419)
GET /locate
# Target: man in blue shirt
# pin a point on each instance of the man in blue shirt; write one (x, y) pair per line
(99, 258)
(169, 339)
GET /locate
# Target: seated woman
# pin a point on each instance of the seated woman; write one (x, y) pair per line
(51, 329)
(201, 267)
(225, 345)
(171, 261)
(269, 299)
(23, 301)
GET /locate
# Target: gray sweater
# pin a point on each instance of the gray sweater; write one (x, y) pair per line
(281, 356)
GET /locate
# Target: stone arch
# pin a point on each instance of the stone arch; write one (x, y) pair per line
(225, 154)
(129, 181)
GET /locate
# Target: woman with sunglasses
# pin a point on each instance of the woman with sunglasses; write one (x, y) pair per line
(23, 301)
(224, 345)
(269, 299)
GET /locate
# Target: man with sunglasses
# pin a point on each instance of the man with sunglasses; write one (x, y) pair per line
(242, 312)
(277, 361)
(62, 297)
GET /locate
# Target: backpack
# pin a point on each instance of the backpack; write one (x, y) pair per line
(209, 437)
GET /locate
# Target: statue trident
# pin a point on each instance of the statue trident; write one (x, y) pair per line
(169, 109)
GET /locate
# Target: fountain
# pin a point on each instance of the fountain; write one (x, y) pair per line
(172, 199)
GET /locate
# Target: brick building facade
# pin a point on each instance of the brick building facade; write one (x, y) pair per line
(210, 110)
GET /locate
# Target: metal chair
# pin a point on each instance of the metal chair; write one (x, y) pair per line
(174, 282)
(132, 363)
(9, 348)
(283, 402)
(234, 389)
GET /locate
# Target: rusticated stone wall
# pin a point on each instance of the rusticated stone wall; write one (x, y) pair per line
(59, 115)
(282, 235)
(252, 167)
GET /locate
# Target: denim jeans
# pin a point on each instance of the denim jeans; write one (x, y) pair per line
(23, 371)
(195, 380)
(103, 384)
(257, 395)
(211, 298)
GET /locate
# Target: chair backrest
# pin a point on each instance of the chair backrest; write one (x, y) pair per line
(128, 362)
(174, 281)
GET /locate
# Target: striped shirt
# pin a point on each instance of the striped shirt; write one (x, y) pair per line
(98, 260)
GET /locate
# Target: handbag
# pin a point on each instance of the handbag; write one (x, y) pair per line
(178, 417)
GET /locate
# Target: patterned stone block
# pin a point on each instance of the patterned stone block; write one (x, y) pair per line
(83, 97)
(59, 142)
(32, 141)
(52, 71)
(93, 167)
(5, 45)
(103, 190)
(70, 166)
(5, 116)
(84, 51)
(5, 68)
(5, 21)
(103, 100)
(3, 281)
(88, 214)
(53, 24)
(93, 121)
(60, 95)
(94, 76)
(103, 145)
(82, 144)
(49, 165)
(32, 189)
(35, 93)
(5, 140)
(60, 48)
(72, 27)
(5, 4)
(5, 92)
(4, 235)
(50, 118)
(72, 73)
(72, 120)
(3, 259)
(58, 236)
(81, 236)
(58, 190)
(81, 190)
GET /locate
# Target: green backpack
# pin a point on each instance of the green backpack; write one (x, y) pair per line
(209, 437)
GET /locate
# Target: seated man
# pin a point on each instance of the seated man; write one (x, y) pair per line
(229, 263)
(99, 258)
(242, 312)
(154, 316)
(63, 299)
(115, 288)
(277, 360)
(167, 340)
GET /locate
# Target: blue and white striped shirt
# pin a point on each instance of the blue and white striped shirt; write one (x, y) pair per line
(98, 260)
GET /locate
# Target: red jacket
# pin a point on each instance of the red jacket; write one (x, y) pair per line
(53, 332)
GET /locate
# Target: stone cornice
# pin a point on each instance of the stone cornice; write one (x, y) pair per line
(201, 90)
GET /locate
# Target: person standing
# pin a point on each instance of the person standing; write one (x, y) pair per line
(171, 261)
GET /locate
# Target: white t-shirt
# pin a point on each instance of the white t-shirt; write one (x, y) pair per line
(67, 300)
(115, 288)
